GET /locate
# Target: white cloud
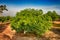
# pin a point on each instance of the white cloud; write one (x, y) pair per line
(13, 9)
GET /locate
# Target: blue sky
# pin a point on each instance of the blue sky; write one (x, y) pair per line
(17, 5)
(33, 2)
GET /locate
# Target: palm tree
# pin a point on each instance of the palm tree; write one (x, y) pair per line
(2, 8)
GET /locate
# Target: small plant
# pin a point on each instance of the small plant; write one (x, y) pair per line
(31, 21)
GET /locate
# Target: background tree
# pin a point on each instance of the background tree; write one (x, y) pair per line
(6, 19)
(59, 17)
(53, 15)
(2, 8)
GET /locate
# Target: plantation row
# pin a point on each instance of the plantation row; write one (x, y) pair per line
(31, 21)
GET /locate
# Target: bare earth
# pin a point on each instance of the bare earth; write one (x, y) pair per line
(8, 34)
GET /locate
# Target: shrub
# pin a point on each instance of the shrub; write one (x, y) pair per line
(31, 21)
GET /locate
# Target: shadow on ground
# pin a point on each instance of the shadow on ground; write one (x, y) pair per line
(56, 30)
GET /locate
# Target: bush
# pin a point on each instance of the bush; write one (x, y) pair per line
(31, 21)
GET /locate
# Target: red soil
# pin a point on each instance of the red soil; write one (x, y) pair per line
(8, 34)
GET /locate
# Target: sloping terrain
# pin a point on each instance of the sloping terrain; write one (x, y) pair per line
(7, 34)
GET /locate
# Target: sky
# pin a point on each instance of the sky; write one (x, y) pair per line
(17, 5)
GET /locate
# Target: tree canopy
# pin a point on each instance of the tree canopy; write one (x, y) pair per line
(2, 8)
(53, 15)
(31, 21)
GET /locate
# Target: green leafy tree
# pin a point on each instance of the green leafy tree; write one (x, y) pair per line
(31, 21)
(59, 17)
(6, 19)
(53, 15)
(2, 8)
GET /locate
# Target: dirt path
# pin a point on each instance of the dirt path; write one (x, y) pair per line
(5, 32)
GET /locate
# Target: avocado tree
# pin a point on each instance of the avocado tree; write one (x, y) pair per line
(53, 15)
(59, 16)
(31, 21)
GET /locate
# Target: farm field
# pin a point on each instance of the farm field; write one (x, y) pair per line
(8, 34)
(29, 24)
